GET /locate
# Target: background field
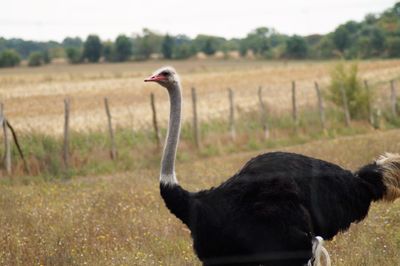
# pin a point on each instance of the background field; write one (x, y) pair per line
(33, 98)
(118, 218)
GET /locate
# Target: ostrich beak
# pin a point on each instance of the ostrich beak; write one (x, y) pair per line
(155, 78)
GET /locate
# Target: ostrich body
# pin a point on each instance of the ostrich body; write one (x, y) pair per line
(269, 211)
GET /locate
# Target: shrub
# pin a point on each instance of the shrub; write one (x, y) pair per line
(393, 46)
(92, 48)
(108, 51)
(9, 58)
(74, 55)
(296, 47)
(123, 48)
(46, 57)
(35, 59)
(357, 95)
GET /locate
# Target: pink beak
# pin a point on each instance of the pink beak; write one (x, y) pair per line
(155, 78)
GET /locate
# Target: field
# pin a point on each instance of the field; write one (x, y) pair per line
(118, 218)
(40, 92)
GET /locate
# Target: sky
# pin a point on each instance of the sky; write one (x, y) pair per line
(44, 20)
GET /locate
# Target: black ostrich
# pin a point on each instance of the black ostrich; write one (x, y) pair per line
(269, 212)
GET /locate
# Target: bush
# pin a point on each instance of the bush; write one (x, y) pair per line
(92, 48)
(74, 55)
(183, 51)
(357, 95)
(393, 46)
(9, 58)
(296, 47)
(123, 48)
(35, 59)
(108, 51)
(46, 57)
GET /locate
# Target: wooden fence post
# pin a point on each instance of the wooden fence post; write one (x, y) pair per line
(7, 146)
(113, 151)
(155, 123)
(345, 106)
(264, 121)
(294, 104)
(19, 149)
(196, 132)
(320, 106)
(393, 98)
(232, 114)
(66, 133)
(377, 114)
(370, 110)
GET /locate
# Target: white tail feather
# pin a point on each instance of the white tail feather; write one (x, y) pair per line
(318, 251)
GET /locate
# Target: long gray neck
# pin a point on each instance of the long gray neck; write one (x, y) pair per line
(167, 175)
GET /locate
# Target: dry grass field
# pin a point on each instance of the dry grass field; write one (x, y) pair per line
(120, 219)
(33, 98)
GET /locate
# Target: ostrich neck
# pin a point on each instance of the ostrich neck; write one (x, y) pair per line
(167, 175)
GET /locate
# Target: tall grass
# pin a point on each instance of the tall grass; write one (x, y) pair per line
(90, 151)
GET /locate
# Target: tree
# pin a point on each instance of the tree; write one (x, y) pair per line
(183, 51)
(183, 47)
(35, 59)
(296, 47)
(123, 48)
(341, 38)
(92, 48)
(72, 42)
(74, 55)
(146, 44)
(9, 58)
(167, 47)
(209, 47)
(208, 44)
(46, 57)
(393, 46)
(108, 51)
(258, 41)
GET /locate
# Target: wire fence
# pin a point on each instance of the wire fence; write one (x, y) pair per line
(55, 115)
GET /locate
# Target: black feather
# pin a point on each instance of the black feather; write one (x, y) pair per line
(268, 212)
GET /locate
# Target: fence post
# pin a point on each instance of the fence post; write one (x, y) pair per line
(377, 114)
(7, 146)
(196, 132)
(264, 121)
(113, 151)
(345, 106)
(393, 98)
(232, 114)
(155, 123)
(66, 133)
(294, 104)
(370, 111)
(320, 106)
(21, 154)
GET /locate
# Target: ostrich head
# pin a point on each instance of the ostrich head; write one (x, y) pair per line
(165, 76)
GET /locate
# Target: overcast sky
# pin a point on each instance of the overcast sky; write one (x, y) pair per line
(56, 19)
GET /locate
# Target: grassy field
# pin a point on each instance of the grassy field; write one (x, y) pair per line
(40, 92)
(112, 214)
(120, 219)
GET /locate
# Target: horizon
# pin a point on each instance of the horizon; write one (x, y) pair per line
(91, 17)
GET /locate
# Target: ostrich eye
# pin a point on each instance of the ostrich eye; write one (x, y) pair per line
(165, 73)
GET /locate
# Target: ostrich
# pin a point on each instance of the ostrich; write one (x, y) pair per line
(269, 212)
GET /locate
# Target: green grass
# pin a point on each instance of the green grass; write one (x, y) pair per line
(90, 151)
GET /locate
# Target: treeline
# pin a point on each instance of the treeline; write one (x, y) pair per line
(377, 36)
